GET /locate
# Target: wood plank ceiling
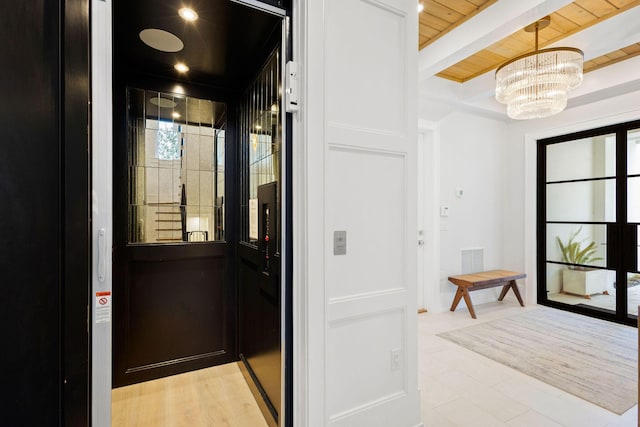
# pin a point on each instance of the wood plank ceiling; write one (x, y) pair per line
(441, 16)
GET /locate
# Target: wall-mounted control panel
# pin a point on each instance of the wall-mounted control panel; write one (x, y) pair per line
(267, 224)
(340, 242)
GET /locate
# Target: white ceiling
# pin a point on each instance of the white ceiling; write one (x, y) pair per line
(439, 97)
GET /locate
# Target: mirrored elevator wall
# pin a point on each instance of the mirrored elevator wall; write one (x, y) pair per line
(260, 133)
(176, 168)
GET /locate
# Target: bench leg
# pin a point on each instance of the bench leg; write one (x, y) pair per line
(505, 289)
(456, 298)
(462, 292)
(516, 291)
(467, 300)
(511, 285)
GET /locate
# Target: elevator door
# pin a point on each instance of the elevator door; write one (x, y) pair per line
(259, 250)
(174, 299)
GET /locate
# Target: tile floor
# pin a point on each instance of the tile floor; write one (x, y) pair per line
(462, 388)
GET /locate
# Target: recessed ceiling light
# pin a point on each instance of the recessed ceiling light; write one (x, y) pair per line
(161, 40)
(181, 67)
(188, 14)
(175, 115)
(420, 7)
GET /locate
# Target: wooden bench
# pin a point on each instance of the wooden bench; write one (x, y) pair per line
(483, 280)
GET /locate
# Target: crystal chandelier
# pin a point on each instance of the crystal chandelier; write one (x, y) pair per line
(535, 85)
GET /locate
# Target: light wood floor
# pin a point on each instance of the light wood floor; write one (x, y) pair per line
(212, 397)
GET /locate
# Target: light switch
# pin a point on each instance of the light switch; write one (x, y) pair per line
(444, 210)
(339, 242)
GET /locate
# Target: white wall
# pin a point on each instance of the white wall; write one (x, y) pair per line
(354, 170)
(472, 159)
(494, 162)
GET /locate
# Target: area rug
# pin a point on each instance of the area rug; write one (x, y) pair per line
(589, 358)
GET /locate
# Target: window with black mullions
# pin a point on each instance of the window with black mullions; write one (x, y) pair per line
(586, 205)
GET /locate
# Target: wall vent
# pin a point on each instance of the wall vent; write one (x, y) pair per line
(472, 260)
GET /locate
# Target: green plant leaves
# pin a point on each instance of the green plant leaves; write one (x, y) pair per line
(573, 251)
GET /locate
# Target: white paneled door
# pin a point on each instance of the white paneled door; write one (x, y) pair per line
(356, 194)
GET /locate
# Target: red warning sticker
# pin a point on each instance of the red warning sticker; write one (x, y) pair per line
(103, 307)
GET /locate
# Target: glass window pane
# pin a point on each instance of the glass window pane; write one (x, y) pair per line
(594, 288)
(584, 201)
(633, 199)
(633, 152)
(172, 156)
(593, 157)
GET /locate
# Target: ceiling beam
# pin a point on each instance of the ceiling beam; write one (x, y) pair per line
(615, 33)
(495, 23)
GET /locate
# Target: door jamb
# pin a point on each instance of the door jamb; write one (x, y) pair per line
(429, 162)
(102, 210)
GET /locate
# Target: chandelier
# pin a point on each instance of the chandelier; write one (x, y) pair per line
(535, 85)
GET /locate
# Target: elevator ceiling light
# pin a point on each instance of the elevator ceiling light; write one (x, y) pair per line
(535, 85)
(162, 102)
(188, 14)
(181, 67)
(161, 40)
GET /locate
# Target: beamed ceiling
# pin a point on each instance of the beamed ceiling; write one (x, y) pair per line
(439, 18)
(465, 41)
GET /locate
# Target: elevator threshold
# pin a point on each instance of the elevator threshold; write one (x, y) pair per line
(217, 396)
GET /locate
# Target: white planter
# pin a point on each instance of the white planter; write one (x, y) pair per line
(584, 282)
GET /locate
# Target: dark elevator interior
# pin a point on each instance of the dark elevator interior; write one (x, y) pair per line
(197, 185)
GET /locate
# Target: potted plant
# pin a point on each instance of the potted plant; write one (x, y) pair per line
(578, 279)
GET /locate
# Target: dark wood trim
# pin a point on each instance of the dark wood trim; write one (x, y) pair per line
(30, 172)
(44, 172)
(76, 214)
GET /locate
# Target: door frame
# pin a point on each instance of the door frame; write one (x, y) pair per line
(429, 177)
(101, 137)
(620, 130)
(102, 211)
(530, 223)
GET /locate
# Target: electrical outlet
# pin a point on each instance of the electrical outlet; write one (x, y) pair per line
(395, 359)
